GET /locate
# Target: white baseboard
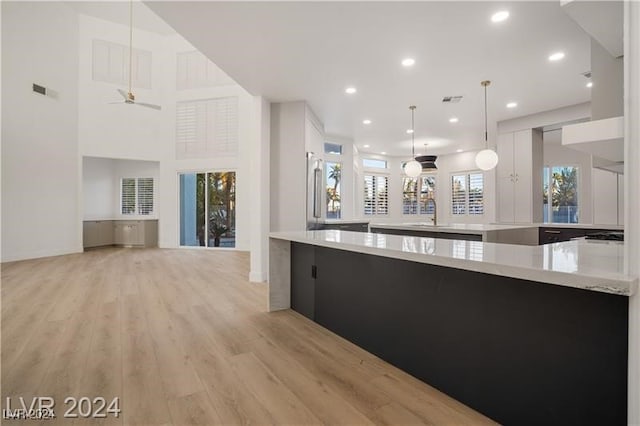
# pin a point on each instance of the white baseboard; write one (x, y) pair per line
(36, 254)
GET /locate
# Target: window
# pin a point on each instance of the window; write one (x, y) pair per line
(332, 148)
(208, 209)
(376, 201)
(333, 173)
(467, 194)
(371, 163)
(207, 128)
(411, 187)
(110, 63)
(560, 185)
(194, 70)
(136, 196)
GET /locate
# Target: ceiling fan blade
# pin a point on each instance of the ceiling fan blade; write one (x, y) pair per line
(113, 103)
(123, 93)
(158, 107)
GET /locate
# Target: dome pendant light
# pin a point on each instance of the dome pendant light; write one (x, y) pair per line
(486, 159)
(413, 168)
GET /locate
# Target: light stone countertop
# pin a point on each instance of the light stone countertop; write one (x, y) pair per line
(459, 228)
(596, 266)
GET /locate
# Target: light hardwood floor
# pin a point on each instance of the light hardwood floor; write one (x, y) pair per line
(182, 337)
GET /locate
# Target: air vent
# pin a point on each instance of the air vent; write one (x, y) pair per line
(587, 74)
(39, 89)
(452, 99)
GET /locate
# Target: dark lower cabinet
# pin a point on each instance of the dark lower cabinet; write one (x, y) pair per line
(351, 226)
(428, 234)
(521, 352)
(302, 272)
(547, 235)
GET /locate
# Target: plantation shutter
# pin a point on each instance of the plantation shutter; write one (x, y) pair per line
(476, 194)
(207, 128)
(382, 195)
(145, 196)
(369, 194)
(427, 190)
(409, 195)
(458, 194)
(376, 195)
(128, 196)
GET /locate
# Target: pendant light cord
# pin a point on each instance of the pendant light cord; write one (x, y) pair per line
(486, 133)
(413, 131)
(486, 136)
(130, 42)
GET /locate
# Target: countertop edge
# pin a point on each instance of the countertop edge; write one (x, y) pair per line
(623, 286)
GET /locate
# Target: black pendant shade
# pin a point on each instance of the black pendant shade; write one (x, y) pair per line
(428, 162)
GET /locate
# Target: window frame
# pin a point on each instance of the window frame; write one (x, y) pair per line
(375, 192)
(373, 168)
(579, 194)
(137, 211)
(467, 198)
(420, 210)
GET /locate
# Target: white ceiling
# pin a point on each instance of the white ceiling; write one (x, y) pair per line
(312, 50)
(118, 11)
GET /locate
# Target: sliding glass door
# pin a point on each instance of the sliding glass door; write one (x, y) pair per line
(208, 209)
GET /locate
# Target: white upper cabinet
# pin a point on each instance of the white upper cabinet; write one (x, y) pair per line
(519, 177)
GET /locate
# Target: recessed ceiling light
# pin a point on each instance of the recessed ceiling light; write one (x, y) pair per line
(458, 150)
(366, 146)
(409, 131)
(367, 121)
(408, 62)
(383, 152)
(499, 16)
(350, 90)
(512, 104)
(590, 84)
(556, 56)
(453, 120)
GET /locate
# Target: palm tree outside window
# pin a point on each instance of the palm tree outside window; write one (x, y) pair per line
(333, 172)
(560, 185)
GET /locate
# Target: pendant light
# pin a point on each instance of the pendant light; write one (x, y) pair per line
(413, 168)
(428, 162)
(486, 159)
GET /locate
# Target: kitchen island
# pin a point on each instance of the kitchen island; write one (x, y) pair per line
(523, 334)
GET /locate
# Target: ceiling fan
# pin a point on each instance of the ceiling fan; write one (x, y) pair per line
(129, 97)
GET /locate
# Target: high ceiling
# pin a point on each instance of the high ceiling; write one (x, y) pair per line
(312, 51)
(118, 12)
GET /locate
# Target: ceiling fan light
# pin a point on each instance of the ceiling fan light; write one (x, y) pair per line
(412, 168)
(486, 159)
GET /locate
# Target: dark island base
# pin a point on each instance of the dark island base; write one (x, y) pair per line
(518, 351)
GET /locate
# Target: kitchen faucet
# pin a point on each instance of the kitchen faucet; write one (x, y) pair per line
(434, 219)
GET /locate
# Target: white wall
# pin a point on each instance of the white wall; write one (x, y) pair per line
(120, 130)
(261, 193)
(135, 133)
(40, 163)
(98, 188)
(287, 158)
(632, 195)
(50, 44)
